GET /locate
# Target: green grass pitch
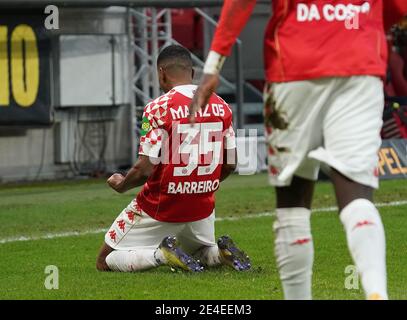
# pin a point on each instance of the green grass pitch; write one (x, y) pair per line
(34, 211)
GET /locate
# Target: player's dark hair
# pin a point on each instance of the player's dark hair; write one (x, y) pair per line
(175, 55)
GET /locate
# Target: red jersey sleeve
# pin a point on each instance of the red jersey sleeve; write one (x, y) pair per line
(393, 12)
(151, 131)
(233, 18)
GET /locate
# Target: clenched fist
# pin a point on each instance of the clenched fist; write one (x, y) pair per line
(116, 182)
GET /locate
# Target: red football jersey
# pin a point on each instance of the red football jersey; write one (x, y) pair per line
(308, 39)
(188, 157)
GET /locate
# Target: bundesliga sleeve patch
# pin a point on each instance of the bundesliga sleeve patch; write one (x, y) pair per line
(145, 126)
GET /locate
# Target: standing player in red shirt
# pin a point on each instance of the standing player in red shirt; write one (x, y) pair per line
(323, 103)
(180, 167)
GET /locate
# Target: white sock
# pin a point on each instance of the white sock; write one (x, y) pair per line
(209, 256)
(134, 260)
(294, 252)
(366, 242)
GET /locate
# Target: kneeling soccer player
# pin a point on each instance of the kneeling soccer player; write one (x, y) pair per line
(180, 167)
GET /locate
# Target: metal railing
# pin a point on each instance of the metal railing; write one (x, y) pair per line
(238, 69)
(150, 28)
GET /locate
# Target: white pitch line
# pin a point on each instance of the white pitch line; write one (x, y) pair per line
(316, 210)
(52, 235)
(246, 216)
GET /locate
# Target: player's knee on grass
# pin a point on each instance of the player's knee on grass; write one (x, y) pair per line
(101, 264)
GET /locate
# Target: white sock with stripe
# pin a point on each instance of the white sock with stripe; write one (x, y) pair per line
(134, 260)
(367, 245)
(294, 252)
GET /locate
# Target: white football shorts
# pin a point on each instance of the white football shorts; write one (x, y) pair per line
(134, 229)
(335, 121)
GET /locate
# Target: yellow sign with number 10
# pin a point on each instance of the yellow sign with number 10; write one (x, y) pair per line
(23, 63)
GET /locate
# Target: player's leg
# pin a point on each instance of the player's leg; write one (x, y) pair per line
(293, 240)
(198, 238)
(136, 259)
(104, 251)
(298, 194)
(292, 119)
(352, 139)
(364, 232)
(347, 190)
(176, 257)
(132, 243)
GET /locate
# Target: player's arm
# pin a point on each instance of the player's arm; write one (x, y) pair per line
(393, 12)
(229, 165)
(233, 18)
(150, 148)
(136, 177)
(229, 152)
